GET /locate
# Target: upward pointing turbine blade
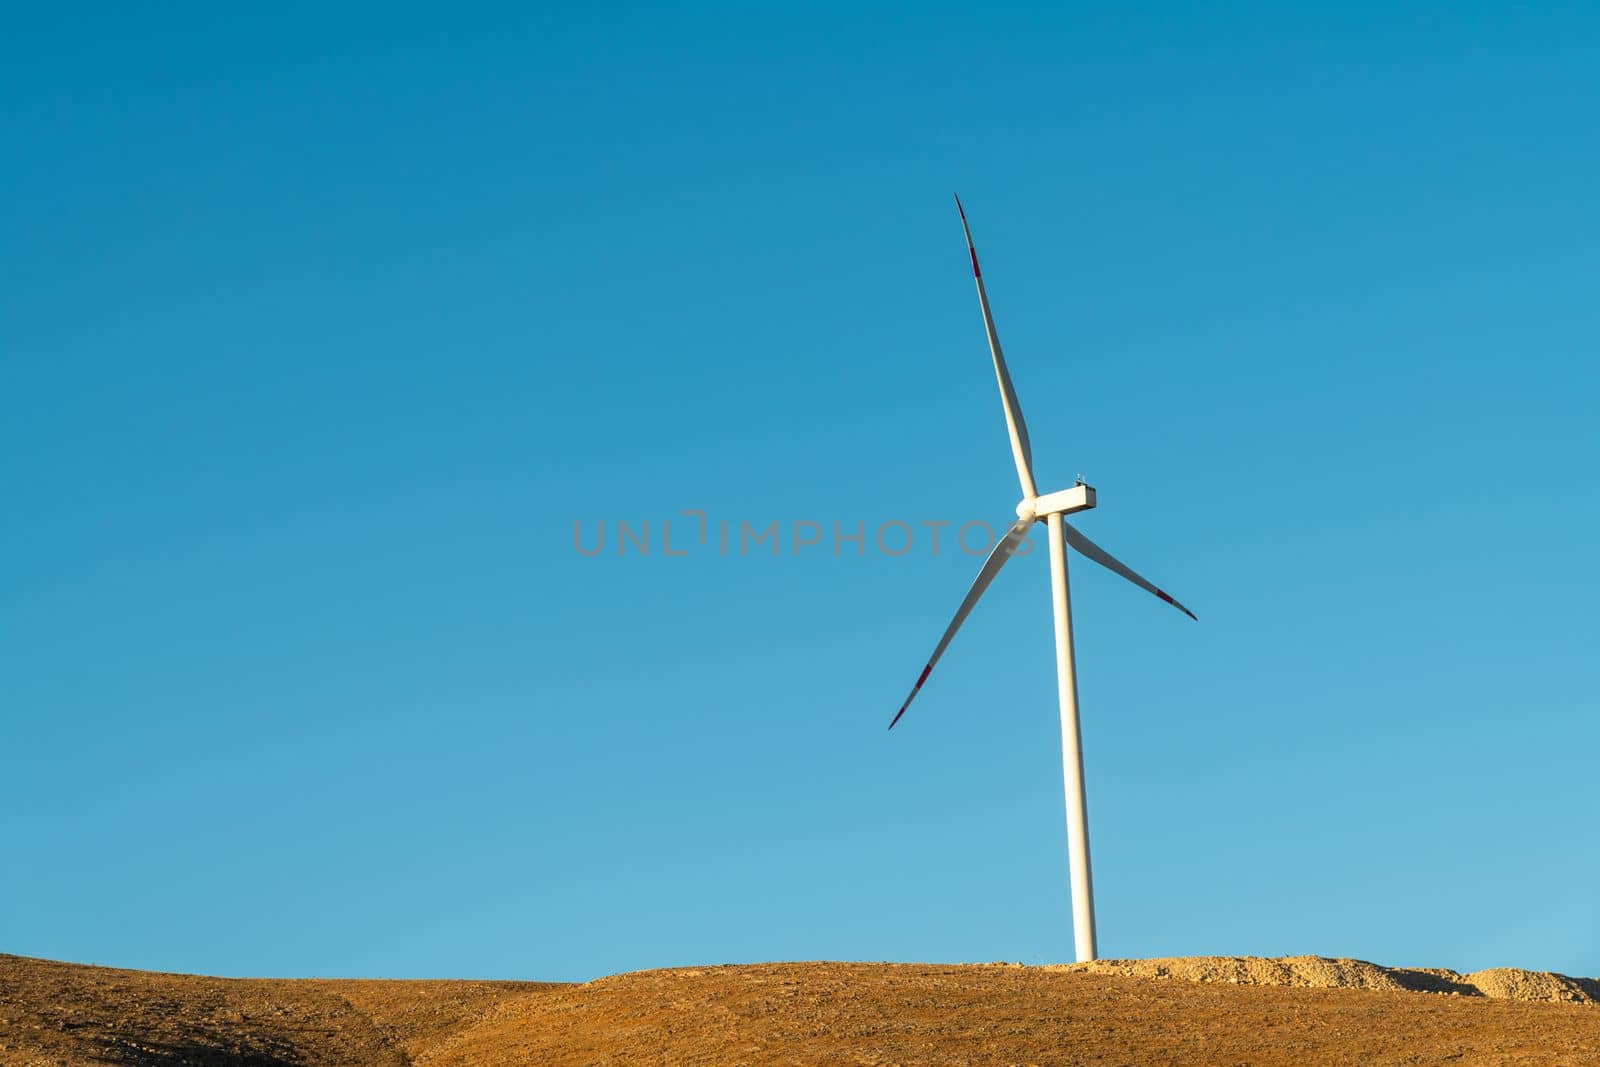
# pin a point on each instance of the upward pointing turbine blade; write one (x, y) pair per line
(991, 567)
(1116, 566)
(1021, 450)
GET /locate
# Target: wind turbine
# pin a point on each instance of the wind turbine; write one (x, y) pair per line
(1049, 509)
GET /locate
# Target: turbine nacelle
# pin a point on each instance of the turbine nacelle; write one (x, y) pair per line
(1064, 502)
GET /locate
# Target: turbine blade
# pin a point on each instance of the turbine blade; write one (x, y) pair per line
(991, 567)
(1116, 566)
(1021, 450)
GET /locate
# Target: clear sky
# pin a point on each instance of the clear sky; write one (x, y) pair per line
(320, 329)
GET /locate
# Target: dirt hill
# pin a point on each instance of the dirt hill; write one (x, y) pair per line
(1218, 1010)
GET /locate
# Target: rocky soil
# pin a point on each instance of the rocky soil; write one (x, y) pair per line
(1222, 1010)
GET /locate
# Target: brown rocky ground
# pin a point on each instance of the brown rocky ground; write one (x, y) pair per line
(1212, 1010)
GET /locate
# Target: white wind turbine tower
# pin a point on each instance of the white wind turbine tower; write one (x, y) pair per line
(1049, 509)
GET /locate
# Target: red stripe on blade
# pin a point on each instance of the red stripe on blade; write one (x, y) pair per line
(923, 677)
(974, 254)
(1175, 604)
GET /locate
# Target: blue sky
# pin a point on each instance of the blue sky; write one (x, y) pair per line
(319, 331)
